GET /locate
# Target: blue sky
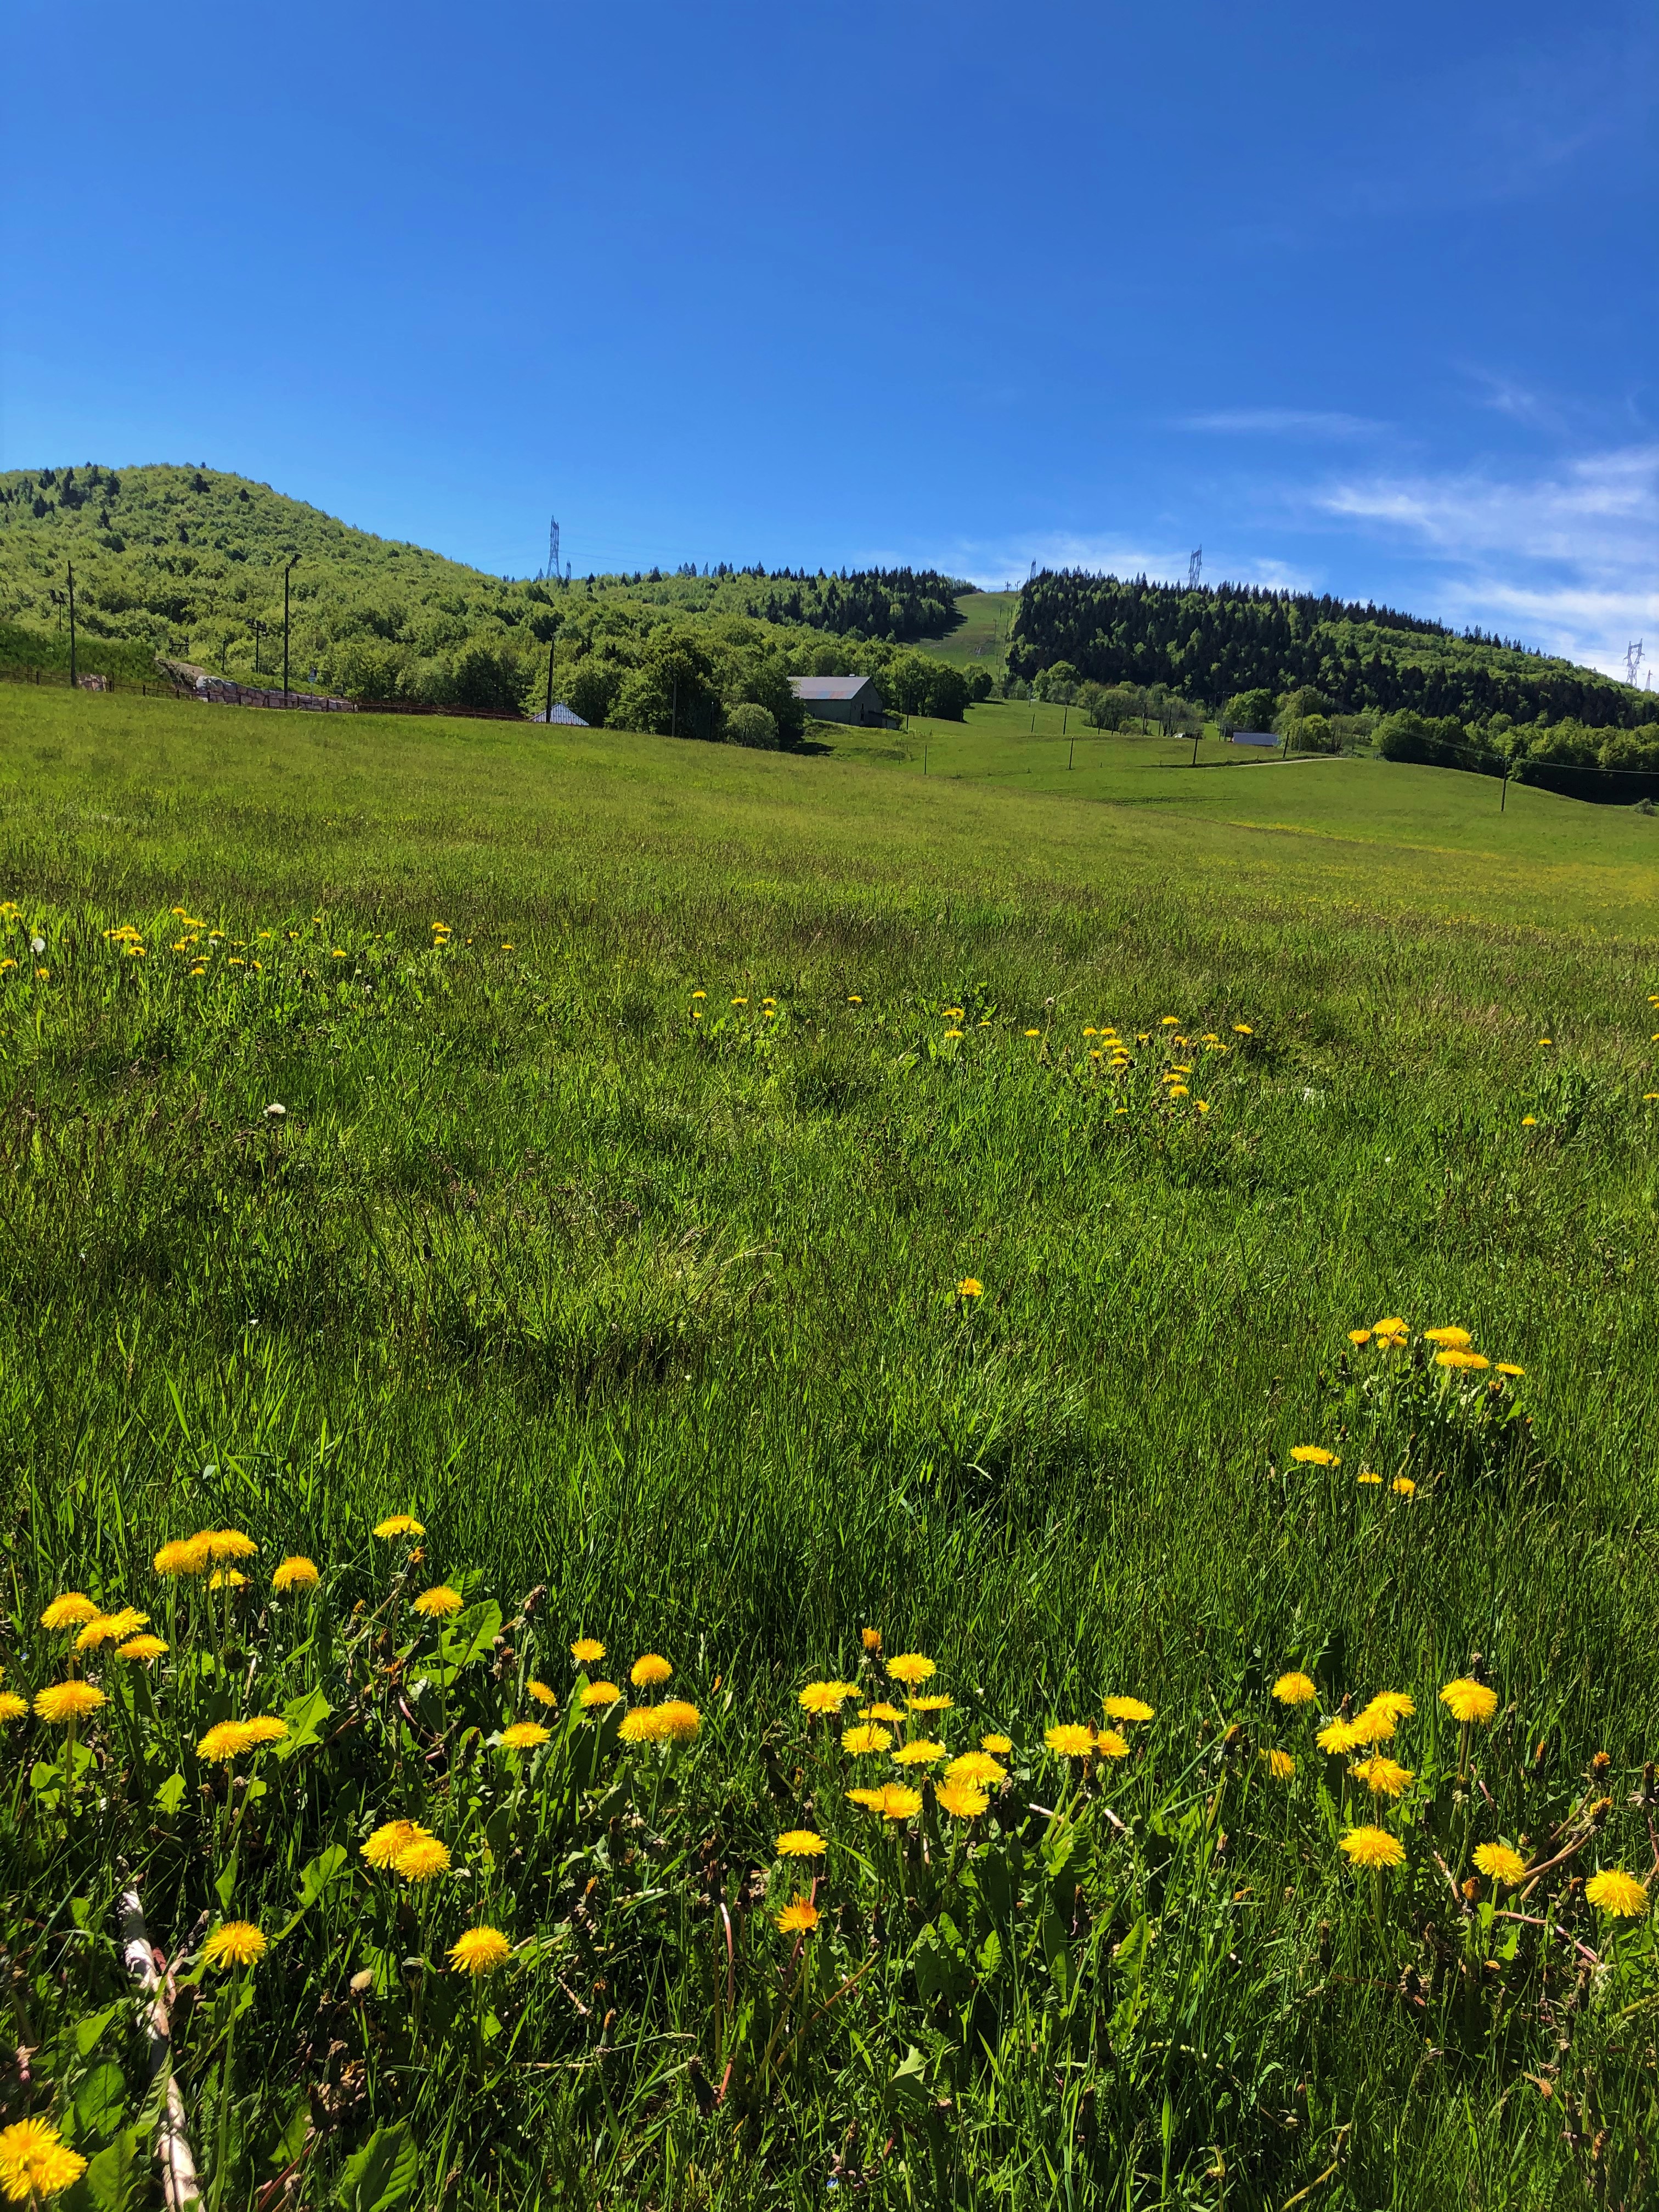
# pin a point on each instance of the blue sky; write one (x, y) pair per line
(1362, 300)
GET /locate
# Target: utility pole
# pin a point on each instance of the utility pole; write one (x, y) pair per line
(674, 717)
(549, 683)
(1198, 731)
(70, 566)
(256, 645)
(287, 572)
(1070, 751)
(1504, 800)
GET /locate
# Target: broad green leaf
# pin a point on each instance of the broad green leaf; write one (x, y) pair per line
(170, 1795)
(314, 1877)
(108, 2182)
(101, 2099)
(306, 1716)
(90, 2027)
(225, 1887)
(471, 1634)
(381, 2176)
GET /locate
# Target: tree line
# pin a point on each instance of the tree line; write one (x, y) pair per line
(1214, 642)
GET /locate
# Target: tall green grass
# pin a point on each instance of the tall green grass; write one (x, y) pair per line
(661, 1314)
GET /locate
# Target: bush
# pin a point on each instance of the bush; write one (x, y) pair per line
(1249, 710)
(494, 680)
(747, 723)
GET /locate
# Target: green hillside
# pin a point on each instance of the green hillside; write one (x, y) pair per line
(811, 1231)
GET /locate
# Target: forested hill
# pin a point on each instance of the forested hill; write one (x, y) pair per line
(189, 562)
(1213, 642)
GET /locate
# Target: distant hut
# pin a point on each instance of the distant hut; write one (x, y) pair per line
(841, 699)
(560, 713)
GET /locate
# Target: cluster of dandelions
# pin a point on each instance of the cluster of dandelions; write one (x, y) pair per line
(1451, 1349)
(1361, 1738)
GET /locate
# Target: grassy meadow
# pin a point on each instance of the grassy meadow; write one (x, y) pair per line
(734, 1201)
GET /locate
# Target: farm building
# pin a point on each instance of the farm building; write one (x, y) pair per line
(841, 699)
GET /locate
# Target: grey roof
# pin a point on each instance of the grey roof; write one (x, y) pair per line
(561, 713)
(828, 687)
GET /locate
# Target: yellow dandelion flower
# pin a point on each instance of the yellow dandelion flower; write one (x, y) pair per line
(479, 1951)
(422, 1859)
(679, 1720)
(1398, 1704)
(228, 1544)
(1372, 1723)
(970, 1287)
(71, 1610)
(922, 1753)
(1108, 1744)
(1313, 1455)
(1617, 1894)
(1279, 1765)
(600, 1694)
(1508, 1367)
(998, 1746)
(863, 1739)
(1369, 1476)
(801, 1844)
(911, 1667)
(872, 1799)
(236, 1943)
(295, 1573)
(1296, 1689)
(1451, 1339)
(1243, 1028)
(35, 2161)
(185, 1555)
(900, 1803)
(1373, 1847)
(142, 1649)
(1470, 1362)
(12, 1707)
(1030, 1033)
(1468, 1701)
(642, 1725)
(1403, 1486)
(1529, 1121)
(1338, 1737)
(1360, 1336)
(588, 1650)
(60, 1703)
(871, 1638)
(228, 1578)
(392, 1836)
(1176, 1090)
(439, 1602)
(937, 1702)
(977, 1767)
(1390, 1325)
(1499, 1863)
(541, 1693)
(889, 1715)
(1126, 1709)
(799, 1918)
(648, 1671)
(399, 1524)
(111, 1628)
(963, 1800)
(1383, 1777)
(524, 1736)
(827, 1697)
(1071, 1739)
(952, 1033)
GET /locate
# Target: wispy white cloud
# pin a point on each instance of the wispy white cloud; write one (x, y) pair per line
(996, 564)
(1283, 421)
(1570, 555)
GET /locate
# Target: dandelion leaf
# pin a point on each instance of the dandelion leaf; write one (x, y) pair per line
(382, 2175)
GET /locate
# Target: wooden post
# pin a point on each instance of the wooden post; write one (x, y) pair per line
(70, 565)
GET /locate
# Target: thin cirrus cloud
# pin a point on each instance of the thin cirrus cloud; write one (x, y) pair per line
(1283, 422)
(1570, 554)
